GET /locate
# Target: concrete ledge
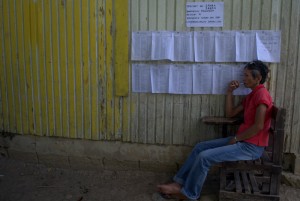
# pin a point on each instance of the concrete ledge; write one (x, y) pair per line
(86, 154)
(158, 167)
(291, 163)
(112, 164)
(30, 157)
(54, 160)
(86, 163)
(297, 165)
(291, 179)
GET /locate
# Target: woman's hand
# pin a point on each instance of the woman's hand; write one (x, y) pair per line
(234, 84)
(232, 141)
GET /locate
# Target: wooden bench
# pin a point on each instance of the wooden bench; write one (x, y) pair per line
(259, 179)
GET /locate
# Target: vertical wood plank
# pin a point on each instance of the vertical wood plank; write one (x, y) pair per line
(8, 68)
(70, 68)
(281, 73)
(296, 108)
(169, 23)
(94, 67)
(121, 62)
(256, 15)
(227, 14)
(246, 15)
(22, 76)
(134, 103)
(86, 80)
(35, 67)
(162, 14)
(237, 13)
(11, 72)
(102, 68)
(143, 98)
(275, 25)
(28, 59)
(109, 72)
(63, 63)
(42, 67)
(78, 68)
(126, 101)
(151, 104)
(161, 98)
(3, 100)
(179, 101)
(16, 67)
(121, 50)
(195, 120)
(186, 131)
(49, 67)
(157, 114)
(266, 14)
(291, 71)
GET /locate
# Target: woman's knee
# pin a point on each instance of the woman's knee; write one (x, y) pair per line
(204, 155)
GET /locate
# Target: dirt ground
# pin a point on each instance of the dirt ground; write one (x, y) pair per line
(21, 181)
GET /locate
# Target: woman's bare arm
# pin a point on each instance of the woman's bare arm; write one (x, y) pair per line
(256, 127)
(230, 110)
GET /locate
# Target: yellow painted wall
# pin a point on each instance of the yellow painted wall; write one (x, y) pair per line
(62, 67)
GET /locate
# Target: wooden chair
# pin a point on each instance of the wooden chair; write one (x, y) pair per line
(259, 179)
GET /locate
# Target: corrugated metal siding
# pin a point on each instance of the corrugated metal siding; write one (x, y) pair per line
(64, 61)
(287, 85)
(57, 75)
(175, 119)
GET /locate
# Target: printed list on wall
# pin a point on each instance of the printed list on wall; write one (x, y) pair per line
(204, 14)
(186, 78)
(207, 46)
(193, 47)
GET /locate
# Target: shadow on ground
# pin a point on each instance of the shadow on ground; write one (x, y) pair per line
(20, 181)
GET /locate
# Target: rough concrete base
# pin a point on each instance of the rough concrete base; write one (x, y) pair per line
(291, 163)
(291, 179)
(85, 154)
(99, 155)
(297, 165)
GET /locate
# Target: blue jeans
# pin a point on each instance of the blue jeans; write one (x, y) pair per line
(192, 174)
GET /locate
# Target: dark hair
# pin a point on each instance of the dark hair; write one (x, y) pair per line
(256, 67)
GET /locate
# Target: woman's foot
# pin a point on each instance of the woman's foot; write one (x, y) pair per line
(172, 188)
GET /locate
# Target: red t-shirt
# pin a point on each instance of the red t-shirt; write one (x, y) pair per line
(259, 95)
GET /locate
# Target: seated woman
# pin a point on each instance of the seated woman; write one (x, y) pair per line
(248, 143)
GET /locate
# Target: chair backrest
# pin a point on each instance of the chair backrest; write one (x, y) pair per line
(277, 134)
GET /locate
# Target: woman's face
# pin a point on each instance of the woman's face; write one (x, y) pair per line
(249, 80)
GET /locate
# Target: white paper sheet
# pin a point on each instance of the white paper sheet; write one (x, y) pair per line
(225, 46)
(222, 75)
(162, 45)
(141, 45)
(204, 14)
(181, 79)
(187, 78)
(245, 46)
(183, 46)
(202, 78)
(204, 46)
(160, 78)
(141, 80)
(268, 45)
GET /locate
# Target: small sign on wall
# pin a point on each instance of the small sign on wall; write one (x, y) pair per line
(204, 14)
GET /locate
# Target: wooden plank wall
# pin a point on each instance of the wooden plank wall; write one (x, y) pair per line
(64, 69)
(175, 119)
(59, 66)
